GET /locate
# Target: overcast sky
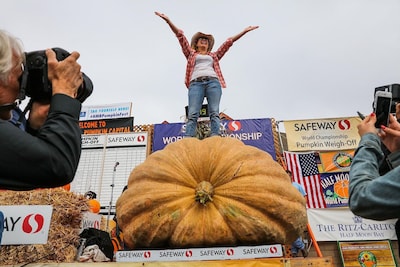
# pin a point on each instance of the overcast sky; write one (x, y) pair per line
(309, 58)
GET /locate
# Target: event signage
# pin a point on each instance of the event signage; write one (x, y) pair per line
(26, 224)
(120, 125)
(199, 254)
(322, 134)
(112, 111)
(340, 224)
(90, 220)
(335, 186)
(114, 140)
(254, 132)
(367, 253)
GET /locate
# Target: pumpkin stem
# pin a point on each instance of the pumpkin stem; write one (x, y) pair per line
(204, 192)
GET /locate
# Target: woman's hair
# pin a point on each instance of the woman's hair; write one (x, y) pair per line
(194, 45)
(8, 45)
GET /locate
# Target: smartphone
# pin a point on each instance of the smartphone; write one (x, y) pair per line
(382, 105)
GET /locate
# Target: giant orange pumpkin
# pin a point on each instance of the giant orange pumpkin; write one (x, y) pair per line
(211, 192)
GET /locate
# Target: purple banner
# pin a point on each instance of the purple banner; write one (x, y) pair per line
(254, 132)
(336, 189)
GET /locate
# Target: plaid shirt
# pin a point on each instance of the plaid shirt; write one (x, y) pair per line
(191, 54)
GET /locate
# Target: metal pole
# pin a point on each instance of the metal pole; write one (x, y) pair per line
(112, 192)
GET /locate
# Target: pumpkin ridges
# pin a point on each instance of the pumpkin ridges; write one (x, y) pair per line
(224, 173)
(266, 189)
(144, 196)
(249, 227)
(191, 156)
(162, 172)
(201, 227)
(252, 226)
(287, 209)
(240, 174)
(154, 228)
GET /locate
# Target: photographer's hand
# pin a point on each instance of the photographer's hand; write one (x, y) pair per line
(367, 125)
(66, 75)
(390, 135)
(38, 115)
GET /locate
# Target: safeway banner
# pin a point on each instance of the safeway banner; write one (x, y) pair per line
(201, 254)
(26, 224)
(254, 132)
(340, 224)
(322, 134)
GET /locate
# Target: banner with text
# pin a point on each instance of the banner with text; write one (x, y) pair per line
(335, 186)
(340, 224)
(26, 224)
(367, 253)
(121, 125)
(322, 134)
(110, 111)
(254, 132)
(201, 254)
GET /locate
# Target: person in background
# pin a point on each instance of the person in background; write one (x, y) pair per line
(298, 244)
(46, 154)
(203, 74)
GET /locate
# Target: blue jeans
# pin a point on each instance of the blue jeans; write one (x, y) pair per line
(297, 245)
(197, 91)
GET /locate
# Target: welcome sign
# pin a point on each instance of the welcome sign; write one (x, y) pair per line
(26, 224)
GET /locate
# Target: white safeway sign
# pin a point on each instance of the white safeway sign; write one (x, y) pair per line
(26, 224)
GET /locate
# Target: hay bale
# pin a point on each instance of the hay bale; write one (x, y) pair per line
(63, 238)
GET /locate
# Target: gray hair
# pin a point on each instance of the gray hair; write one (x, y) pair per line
(8, 45)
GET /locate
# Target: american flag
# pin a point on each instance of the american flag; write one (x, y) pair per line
(304, 168)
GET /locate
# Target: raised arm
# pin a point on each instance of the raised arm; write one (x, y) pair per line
(246, 30)
(168, 21)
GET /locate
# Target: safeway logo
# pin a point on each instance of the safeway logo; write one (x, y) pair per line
(230, 252)
(344, 124)
(26, 224)
(188, 253)
(141, 138)
(273, 250)
(234, 126)
(33, 223)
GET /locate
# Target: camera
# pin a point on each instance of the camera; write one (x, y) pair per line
(394, 89)
(35, 82)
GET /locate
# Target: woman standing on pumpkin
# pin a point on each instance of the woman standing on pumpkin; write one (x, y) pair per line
(203, 74)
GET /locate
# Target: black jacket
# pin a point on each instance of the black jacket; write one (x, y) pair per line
(50, 157)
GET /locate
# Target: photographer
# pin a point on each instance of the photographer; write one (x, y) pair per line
(374, 195)
(47, 153)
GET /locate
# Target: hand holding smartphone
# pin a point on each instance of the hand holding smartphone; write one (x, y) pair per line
(382, 105)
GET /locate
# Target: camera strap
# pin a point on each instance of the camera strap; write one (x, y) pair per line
(9, 106)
